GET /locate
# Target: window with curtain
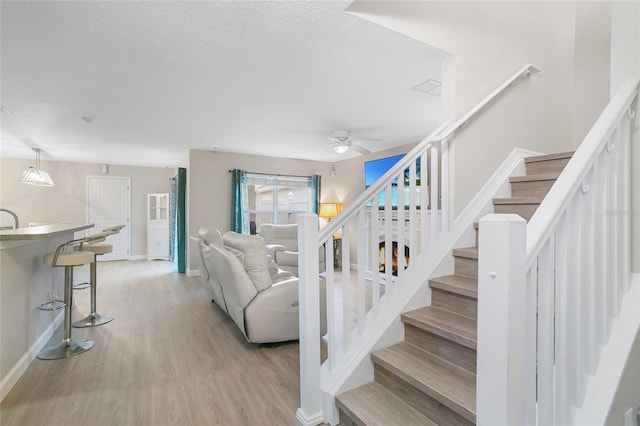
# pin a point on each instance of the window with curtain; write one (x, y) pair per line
(273, 199)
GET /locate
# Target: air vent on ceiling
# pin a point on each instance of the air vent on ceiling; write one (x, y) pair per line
(430, 86)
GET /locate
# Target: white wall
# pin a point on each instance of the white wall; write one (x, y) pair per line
(592, 69)
(488, 41)
(625, 42)
(66, 201)
(209, 184)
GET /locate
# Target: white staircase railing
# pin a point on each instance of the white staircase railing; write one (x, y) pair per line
(384, 233)
(550, 291)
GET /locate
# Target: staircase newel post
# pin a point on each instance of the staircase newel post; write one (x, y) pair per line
(310, 411)
(502, 387)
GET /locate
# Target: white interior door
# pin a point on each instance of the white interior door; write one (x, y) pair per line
(109, 204)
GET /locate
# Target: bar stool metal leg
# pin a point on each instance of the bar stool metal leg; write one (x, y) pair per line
(69, 346)
(94, 318)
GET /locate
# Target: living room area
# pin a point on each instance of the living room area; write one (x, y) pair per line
(275, 110)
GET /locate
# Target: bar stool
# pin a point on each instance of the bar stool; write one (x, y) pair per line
(114, 229)
(66, 256)
(94, 318)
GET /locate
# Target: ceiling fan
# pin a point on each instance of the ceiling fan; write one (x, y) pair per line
(341, 142)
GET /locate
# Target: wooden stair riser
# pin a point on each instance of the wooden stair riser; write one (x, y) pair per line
(453, 302)
(345, 420)
(476, 228)
(453, 352)
(538, 188)
(524, 210)
(547, 166)
(421, 402)
(466, 267)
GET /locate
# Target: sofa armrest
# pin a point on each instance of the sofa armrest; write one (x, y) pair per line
(272, 249)
(273, 315)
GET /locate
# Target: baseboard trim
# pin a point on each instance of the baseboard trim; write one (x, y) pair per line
(138, 257)
(23, 363)
(305, 419)
(193, 272)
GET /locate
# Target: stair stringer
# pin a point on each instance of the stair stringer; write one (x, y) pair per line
(356, 368)
(615, 356)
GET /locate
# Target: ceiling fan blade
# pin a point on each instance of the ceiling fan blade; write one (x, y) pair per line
(360, 149)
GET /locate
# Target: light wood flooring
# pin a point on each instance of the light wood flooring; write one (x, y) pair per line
(170, 357)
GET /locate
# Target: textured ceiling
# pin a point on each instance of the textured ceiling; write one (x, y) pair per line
(158, 78)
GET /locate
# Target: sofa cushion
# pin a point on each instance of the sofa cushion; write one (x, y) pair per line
(211, 236)
(287, 258)
(286, 235)
(238, 253)
(256, 262)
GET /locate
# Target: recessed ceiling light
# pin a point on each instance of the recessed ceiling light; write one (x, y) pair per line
(430, 86)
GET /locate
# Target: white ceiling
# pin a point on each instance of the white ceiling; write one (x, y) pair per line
(158, 78)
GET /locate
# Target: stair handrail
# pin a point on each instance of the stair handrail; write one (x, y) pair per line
(543, 222)
(561, 286)
(427, 220)
(437, 136)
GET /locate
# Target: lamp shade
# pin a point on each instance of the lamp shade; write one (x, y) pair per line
(34, 175)
(329, 210)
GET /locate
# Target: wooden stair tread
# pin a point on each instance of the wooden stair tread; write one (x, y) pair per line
(534, 178)
(444, 323)
(548, 157)
(374, 405)
(518, 200)
(468, 252)
(437, 378)
(459, 284)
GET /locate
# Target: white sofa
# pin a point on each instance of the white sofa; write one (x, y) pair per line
(260, 298)
(282, 244)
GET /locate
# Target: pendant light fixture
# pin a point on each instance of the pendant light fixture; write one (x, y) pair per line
(36, 176)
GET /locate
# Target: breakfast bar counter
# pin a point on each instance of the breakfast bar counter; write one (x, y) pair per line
(25, 283)
(41, 232)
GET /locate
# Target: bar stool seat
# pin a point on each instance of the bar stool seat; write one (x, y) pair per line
(94, 318)
(75, 258)
(68, 259)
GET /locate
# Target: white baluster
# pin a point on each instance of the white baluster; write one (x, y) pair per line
(600, 250)
(346, 295)
(388, 241)
(562, 408)
(412, 210)
(375, 269)
(587, 266)
(546, 334)
(360, 262)
(573, 307)
(424, 201)
(434, 185)
(400, 228)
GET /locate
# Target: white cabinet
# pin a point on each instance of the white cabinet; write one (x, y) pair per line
(158, 226)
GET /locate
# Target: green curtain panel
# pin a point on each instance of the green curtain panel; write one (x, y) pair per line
(182, 220)
(315, 183)
(238, 178)
(173, 221)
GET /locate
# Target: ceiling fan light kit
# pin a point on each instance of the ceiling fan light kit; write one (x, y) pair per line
(340, 147)
(341, 141)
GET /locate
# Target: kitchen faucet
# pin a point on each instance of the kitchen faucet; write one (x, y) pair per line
(15, 217)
